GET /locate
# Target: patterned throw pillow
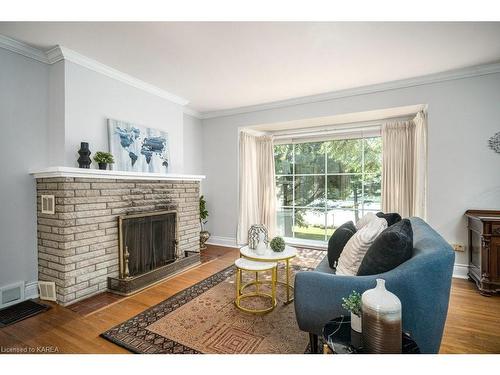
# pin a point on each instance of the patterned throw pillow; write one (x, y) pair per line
(356, 248)
(369, 216)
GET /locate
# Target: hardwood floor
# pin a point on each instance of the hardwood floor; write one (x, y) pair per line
(473, 324)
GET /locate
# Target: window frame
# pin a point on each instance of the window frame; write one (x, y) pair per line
(324, 210)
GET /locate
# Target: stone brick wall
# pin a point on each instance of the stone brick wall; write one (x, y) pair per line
(78, 245)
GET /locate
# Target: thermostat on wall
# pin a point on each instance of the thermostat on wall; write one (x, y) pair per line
(48, 204)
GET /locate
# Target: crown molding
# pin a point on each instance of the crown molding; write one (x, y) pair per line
(75, 57)
(449, 75)
(22, 49)
(60, 53)
(54, 55)
(192, 112)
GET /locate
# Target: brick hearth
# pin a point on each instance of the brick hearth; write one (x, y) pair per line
(78, 245)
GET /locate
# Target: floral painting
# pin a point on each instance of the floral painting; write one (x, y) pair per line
(137, 148)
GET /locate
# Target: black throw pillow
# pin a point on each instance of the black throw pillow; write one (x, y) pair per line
(391, 217)
(391, 248)
(338, 240)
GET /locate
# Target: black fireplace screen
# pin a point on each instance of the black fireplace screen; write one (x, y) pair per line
(150, 240)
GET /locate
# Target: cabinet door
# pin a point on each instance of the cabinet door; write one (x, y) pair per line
(494, 259)
(475, 249)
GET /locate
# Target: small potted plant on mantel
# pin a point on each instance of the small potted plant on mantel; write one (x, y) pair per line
(204, 234)
(353, 304)
(103, 159)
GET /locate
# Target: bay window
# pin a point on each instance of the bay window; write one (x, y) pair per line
(322, 184)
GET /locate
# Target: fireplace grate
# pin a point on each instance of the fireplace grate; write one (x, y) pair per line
(132, 285)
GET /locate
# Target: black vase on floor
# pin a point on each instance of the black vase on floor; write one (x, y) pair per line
(84, 160)
(103, 166)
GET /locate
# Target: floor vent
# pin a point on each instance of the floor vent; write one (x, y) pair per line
(47, 290)
(11, 294)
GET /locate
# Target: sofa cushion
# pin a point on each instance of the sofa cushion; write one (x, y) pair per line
(356, 248)
(338, 240)
(392, 247)
(391, 217)
(324, 267)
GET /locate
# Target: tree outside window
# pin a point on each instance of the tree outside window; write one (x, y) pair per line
(320, 185)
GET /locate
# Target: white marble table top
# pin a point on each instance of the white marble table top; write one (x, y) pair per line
(251, 265)
(269, 255)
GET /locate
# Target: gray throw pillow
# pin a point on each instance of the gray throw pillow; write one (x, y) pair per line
(392, 247)
(338, 240)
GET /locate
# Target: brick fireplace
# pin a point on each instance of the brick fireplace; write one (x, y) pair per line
(79, 244)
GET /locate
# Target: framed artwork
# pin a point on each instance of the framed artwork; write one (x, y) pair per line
(137, 148)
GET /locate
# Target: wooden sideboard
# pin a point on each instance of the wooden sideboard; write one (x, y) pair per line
(484, 249)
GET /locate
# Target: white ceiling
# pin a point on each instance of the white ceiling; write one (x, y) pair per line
(217, 65)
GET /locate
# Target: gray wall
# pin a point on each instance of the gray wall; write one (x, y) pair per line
(23, 120)
(193, 145)
(56, 110)
(463, 172)
(91, 98)
(45, 112)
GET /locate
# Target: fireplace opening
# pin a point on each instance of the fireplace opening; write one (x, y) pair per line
(147, 241)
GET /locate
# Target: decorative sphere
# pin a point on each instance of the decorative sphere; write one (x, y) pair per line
(278, 244)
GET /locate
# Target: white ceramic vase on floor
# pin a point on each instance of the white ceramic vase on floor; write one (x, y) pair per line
(381, 320)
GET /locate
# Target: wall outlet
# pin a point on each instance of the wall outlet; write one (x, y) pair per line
(458, 247)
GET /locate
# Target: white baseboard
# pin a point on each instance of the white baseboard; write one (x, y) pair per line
(222, 241)
(31, 290)
(460, 271)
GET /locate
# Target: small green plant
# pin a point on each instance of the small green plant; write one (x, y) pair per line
(278, 244)
(353, 303)
(203, 212)
(103, 157)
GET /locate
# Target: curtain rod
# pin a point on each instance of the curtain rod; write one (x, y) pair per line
(373, 128)
(338, 128)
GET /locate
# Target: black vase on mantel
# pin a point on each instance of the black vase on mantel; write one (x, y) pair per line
(84, 160)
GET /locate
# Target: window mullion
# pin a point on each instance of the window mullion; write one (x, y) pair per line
(363, 175)
(293, 191)
(326, 196)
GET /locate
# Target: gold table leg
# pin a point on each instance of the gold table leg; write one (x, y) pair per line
(288, 286)
(285, 283)
(257, 282)
(240, 295)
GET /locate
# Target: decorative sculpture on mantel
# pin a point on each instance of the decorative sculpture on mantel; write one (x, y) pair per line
(84, 160)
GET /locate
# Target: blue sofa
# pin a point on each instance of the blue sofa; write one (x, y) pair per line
(422, 284)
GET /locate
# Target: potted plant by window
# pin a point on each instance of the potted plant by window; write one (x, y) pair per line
(103, 159)
(204, 234)
(353, 304)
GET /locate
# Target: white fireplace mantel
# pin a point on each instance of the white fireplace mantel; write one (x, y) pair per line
(121, 175)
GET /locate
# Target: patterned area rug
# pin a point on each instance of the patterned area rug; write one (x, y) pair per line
(203, 319)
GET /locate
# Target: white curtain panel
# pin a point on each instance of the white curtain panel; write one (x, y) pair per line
(404, 167)
(420, 165)
(266, 183)
(257, 197)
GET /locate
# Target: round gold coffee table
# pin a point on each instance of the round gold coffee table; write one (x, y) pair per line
(243, 264)
(272, 256)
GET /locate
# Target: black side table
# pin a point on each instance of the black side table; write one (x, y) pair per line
(341, 339)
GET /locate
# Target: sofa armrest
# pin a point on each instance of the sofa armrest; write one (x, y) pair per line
(318, 297)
